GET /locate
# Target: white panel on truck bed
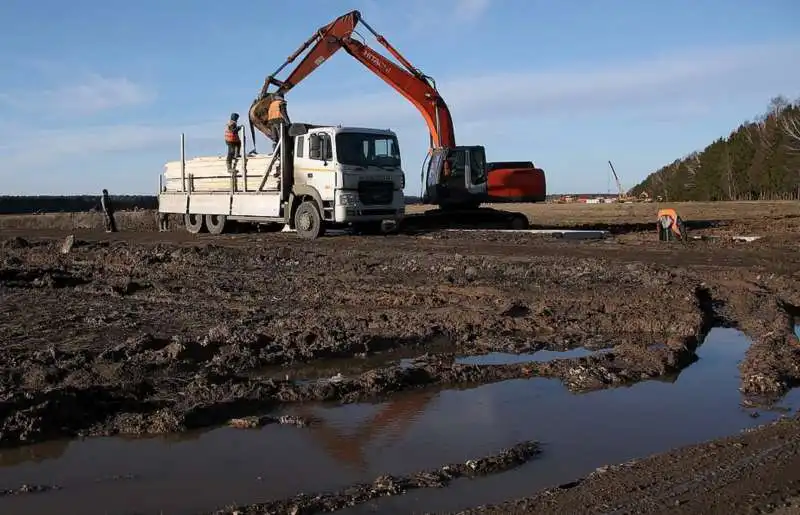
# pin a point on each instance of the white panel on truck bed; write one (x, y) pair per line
(211, 173)
(262, 204)
(210, 204)
(172, 203)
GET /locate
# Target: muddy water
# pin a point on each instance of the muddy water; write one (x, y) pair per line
(203, 471)
(503, 358)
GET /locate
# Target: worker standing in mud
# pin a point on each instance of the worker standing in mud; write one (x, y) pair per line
(276, 115)
(108, 212)
(232, 140)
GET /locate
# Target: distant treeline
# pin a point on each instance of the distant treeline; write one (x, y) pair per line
(760, 160)
(10, 205)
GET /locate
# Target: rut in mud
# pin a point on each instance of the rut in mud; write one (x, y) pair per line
(116, 364)
(386, 485)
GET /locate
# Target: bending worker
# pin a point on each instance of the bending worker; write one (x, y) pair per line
(276, 115)
(232, 140)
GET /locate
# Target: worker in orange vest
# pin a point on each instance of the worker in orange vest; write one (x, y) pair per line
(670, 226)
(276, 115)
(232, 140)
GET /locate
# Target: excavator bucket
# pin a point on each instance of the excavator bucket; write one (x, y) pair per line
(258, 116)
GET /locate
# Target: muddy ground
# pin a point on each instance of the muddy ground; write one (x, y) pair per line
(147, 333)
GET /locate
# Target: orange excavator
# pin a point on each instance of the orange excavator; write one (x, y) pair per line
(455, 178)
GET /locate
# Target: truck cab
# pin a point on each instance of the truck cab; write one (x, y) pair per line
(318, 177)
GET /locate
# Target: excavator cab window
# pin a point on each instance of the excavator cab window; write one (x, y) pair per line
(455, 165)
(477, 165)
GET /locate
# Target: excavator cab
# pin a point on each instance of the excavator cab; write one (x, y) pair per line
(456, 176)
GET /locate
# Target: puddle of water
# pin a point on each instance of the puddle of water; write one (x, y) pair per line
(505, 358)
(326, 368)
(413, 431)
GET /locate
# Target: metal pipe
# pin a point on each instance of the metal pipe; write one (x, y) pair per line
(284, 159)
(271, 163)
(183, 162)
(244, 158)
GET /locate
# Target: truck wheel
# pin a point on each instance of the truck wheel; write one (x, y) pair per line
(193, 223)
(519, 223)
(307, 221)
(216, 223)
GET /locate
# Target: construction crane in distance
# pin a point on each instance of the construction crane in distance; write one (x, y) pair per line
(623, 195)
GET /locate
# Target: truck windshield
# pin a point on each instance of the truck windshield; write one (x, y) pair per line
(359, 149)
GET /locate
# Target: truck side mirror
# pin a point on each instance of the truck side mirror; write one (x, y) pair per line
(315, 146)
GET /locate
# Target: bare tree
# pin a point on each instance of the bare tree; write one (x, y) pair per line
(756, 129)
(732, 194)
(692, 166)
(778, 104)
(791, 127)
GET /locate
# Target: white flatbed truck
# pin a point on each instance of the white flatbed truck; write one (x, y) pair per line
(318, 177)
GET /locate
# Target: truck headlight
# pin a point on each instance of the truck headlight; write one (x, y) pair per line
(348, 199)
(403, 181)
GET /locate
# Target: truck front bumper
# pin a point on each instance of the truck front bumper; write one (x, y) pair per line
(345, 214)
(349, 209)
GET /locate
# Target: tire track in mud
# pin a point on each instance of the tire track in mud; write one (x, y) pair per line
(384, 486)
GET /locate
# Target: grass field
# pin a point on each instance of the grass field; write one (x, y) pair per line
(577, 213)
(541, 214)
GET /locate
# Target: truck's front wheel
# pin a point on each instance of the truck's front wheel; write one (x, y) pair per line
(307, 221)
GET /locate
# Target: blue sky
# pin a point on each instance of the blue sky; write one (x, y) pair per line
(95, 94)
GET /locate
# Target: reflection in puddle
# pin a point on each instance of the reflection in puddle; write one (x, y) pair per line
(504, 358)
(413, 431)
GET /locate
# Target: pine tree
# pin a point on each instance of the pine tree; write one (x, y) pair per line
(758, 160)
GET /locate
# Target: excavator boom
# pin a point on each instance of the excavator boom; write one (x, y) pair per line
(410, 83)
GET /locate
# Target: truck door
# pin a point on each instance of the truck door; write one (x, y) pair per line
(317, 167)
(435, 166)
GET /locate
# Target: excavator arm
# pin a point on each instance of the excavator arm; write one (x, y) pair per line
(411, 83)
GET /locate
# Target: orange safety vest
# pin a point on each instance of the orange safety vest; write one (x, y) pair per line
(231, 135)
(274, 112)
(673, 216)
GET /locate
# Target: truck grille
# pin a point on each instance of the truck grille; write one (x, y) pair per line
(372, 193)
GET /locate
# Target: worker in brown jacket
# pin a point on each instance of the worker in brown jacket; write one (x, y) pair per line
(109, 223)
(276, 114)
(232, 140)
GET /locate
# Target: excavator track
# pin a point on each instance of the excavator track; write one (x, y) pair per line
(478, 218)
